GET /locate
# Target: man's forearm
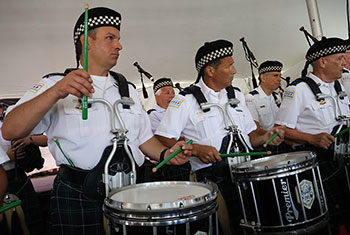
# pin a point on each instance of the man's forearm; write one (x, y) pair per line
(21, 120)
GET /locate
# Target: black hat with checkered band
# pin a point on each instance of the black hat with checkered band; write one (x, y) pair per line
(162, 82)
(98, 17)
(270, 66)
(325, 47)
(211, 51)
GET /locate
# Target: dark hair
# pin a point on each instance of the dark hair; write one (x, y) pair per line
(215, 64)
(79, 47)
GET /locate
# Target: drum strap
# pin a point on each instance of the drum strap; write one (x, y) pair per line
(316, 90)
(93, 186)
(120, 82)
(199, 96)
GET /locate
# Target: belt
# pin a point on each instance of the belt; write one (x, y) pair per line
(72, 174)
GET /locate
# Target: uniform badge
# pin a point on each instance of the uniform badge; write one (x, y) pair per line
(288, 94)
(36, 87)
(249, 101)
(307, 193)
(176, 102)
(323, 102)
(262, 106)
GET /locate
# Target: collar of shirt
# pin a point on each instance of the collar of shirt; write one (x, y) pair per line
(211, 95)
(320, 82)
(102, 82)
(262, 93)
(160, 109)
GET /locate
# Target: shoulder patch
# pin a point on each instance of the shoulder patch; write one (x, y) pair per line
(288, 94)
(254, 92)
(36, 87)
(249, 101)
(176, 102)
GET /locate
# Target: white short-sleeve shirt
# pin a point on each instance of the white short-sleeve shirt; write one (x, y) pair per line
(263, 108)
(84, 141)
(301, 111)
(184, 117)
(156, 116)
(345, 80)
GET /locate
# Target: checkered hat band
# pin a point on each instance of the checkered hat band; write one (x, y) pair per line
(327, 51)
(219, 53)
(270, 69)
(95, 22)
(163, 84)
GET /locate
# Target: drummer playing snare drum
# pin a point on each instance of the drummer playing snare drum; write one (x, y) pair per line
(310, 121)
(50, 106)
(184, 117)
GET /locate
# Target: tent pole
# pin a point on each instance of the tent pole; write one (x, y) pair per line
(314, 17)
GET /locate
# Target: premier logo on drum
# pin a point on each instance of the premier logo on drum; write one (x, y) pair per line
(291, 212)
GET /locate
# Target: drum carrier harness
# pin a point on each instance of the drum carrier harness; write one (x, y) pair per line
(341, 145)
(233, 142)
(116, 167)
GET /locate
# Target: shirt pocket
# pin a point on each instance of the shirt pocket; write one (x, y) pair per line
(131, 119)
(324, 112)
(74, 124)
(265, 117)
(205, 124)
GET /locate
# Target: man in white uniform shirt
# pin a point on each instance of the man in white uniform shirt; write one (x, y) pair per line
(345, 78)
(310, 121)
(51, 106)
(263, 102)
(164, 92)
(184, 117)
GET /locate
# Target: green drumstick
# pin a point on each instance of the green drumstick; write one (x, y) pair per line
(272, 138)
(9, 206)
(342, 132)
(245, 154)
(59, 146)
(169, 158)
(85, 65)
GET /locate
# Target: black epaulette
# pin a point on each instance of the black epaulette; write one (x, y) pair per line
(60, 74)
(345, 71)
(297, 81)
(54, 74)
(254, 92)
(150, 111)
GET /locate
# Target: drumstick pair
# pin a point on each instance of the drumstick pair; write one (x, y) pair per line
(169, 158)
(221, 155)
(272, 138)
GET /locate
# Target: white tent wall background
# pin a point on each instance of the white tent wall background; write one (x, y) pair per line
(162, 35)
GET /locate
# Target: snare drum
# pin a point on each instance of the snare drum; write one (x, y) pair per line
(282, 194)
(169, 207)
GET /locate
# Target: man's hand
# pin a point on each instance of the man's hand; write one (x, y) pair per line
(21, 143)
(183, 156)
(77, 82)
(278, 139)
(322, 140)
(207, 154)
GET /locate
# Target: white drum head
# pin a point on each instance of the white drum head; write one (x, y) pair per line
(161, 195)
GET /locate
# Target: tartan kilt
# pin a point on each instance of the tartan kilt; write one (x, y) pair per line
(71, 212)
(22, 187)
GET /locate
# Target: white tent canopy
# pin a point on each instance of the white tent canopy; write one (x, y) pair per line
(162, 35)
